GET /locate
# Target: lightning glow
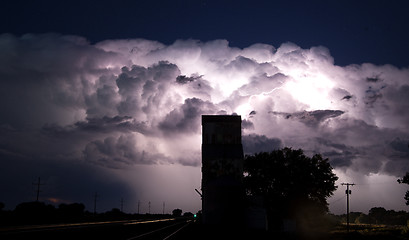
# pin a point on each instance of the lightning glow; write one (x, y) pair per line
(128, 108)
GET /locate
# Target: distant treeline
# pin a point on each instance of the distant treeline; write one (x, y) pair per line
(42, 213)
(377, 215)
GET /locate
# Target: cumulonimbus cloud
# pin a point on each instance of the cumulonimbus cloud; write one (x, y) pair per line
(123, 102)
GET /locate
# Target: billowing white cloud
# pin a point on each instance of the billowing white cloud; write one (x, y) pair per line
(118, 104)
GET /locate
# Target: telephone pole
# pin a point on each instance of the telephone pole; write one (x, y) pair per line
(163, 209)
(149, 207)
(348, 192)
(122, 205)
(95, 203)
(139, 204)
(38, 187)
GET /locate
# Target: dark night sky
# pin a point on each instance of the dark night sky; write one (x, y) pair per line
(354, 31)
(106, 96)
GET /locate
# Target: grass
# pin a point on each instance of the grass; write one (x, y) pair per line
(370, 232)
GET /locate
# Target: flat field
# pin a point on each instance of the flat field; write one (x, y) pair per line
(370, 232)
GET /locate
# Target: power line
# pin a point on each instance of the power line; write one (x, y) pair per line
(376, 183)
(337, 200)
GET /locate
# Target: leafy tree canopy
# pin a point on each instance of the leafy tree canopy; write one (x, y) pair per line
(177, 212)
(289, 180)
(405, 179)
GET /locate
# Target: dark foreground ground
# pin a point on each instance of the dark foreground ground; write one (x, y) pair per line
(370, 232)
(182, 229)
(357, 232)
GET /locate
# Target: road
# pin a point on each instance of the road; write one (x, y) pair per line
(164, 229)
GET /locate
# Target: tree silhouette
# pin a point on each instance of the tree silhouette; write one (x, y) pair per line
(291, 184)
(71, 212)
(35, 212)
(405, 179)
(177, 212)
(377, 213)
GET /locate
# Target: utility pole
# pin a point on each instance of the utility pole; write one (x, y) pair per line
(122, 205)
(163, 209)
(95, 203)
(149, 204)
(38, 187)
(139, 204)
(348, 192)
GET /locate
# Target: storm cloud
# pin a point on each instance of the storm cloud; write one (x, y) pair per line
(118, 104)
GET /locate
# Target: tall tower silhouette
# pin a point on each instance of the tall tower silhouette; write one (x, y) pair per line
(222, 170)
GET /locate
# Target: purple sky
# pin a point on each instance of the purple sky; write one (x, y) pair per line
(120, 114)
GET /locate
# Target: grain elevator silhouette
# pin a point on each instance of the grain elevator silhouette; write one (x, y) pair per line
(222, 170)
